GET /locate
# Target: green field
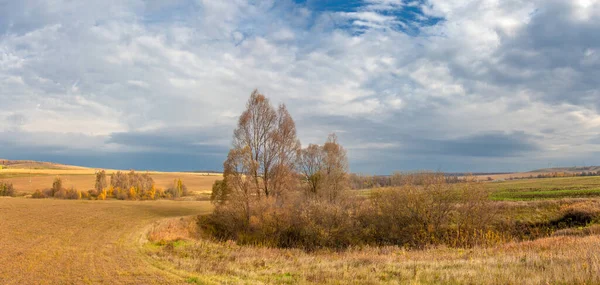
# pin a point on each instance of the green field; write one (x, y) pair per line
(547, 188)
(534, 189)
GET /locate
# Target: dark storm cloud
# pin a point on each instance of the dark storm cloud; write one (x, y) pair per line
(190, 140)
(481, 145)
(175, 156)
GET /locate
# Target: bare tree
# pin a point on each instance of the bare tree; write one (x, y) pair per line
(101, 181)
(268, 137)
(324, 168)
(239, 182)
(335, 167)
(310, 166)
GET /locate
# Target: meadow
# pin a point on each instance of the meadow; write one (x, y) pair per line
(553, 260)
(158, 242)
(562, 255)
(545, 188)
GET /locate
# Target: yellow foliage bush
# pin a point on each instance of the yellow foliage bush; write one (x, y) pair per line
(132, 195)
(102, 195)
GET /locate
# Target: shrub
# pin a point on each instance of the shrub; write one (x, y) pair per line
(7, 189)
(121, 194)
(73, 194)
(56, 186)
(132, 194)
(61, 194)
(102, 195)
(160, 193)
(38, 195)
(178, 189)
(150, 194)
(577, 215)
(433, 212)
(48, 193)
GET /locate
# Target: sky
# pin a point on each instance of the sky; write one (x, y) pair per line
(448, 85)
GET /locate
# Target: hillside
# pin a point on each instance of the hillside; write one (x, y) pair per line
(574, 169)
(31, 164)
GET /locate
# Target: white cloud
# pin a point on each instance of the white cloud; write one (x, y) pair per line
(125, 66)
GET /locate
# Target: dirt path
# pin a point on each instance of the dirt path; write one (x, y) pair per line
(82, 242)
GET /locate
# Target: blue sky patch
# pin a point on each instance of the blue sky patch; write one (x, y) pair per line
(408, 17)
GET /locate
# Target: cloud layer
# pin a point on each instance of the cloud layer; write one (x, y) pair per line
(484, 85)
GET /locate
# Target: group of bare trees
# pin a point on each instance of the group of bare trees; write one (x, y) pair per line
(267, 161)
(324, 168)
(269, 178)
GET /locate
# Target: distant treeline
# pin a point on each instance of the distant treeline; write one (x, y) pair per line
(561, 174)
(361, 181)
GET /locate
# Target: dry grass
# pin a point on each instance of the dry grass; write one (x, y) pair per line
(569, 257)
(82, 242)
(29, 180)
(556, 260)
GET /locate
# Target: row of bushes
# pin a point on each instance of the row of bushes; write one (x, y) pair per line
(69, 194)
(434, 212)
(7, 189)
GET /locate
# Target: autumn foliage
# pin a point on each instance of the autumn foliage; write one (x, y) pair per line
(122, 186)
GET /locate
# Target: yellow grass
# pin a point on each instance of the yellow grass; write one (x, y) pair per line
(29, 180)
(555, 260)
(83, 242)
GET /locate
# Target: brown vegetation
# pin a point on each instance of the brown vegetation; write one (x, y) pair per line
(555, 260)
(276, 194)
(7, 189)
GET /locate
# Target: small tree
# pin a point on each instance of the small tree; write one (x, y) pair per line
(336, 167)
(310, 166)
(132, 194)
(178, 189)
(56, 185)
(7, 189)
(324, 168)
(150, 194)
(101, 182)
